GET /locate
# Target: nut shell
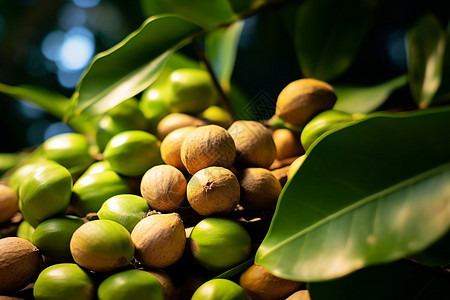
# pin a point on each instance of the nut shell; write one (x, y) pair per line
(209, 145)
(9, 203)
(20, 264)
(171, 146)
(213, 190)
(287, 143)
(254, 144)
(164, 188)
(102, 246)
(261, 284)
(170, 291)
(159, 240)
(259, 188)
(174, 121)
(302, 99)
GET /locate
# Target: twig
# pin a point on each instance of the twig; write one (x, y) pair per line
(224, 101)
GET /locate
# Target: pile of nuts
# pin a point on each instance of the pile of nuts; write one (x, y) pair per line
(156, 215)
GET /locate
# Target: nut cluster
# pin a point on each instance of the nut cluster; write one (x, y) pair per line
(197, 190)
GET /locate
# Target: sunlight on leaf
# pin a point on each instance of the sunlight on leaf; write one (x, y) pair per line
(326, 38)
(52, 102)
(359, 99)
(131, 66)
(358, 195)
(425, 51)
(204, 13)
(221, 49)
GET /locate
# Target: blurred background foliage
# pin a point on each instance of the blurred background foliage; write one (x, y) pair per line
(49, 43)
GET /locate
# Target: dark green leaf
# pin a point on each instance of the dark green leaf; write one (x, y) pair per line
(371, 192)
(221, 49)
(204, 13)
(394, 281)
(131, 66)
(330, 33)
(358, 99)
(236, 270)
(52, 102)
(425, 48)
(443, 94)
(242, 7)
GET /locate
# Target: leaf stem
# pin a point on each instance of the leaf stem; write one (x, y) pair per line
(223, 98)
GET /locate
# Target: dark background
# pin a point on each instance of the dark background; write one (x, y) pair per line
(266, 59)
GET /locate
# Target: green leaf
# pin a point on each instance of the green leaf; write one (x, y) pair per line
(397, 280)
(229, 274)
(221, 49)
(327, 38)
(358, 99)
(243, 7)
(52, 102)
(205, 13)
(425, 52)
(371, 192)
(442, 95)
(131, 66)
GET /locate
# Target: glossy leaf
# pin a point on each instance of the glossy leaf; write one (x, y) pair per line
(359, 99)
(131, 66)
(205, 13)
(229, 274)
(425, 51)
(371, 192)
(397, 280)
(52, 102)
(329, 35)
(221, 49)
(442, 96)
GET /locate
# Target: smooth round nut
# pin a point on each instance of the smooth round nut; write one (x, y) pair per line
(207, 146)
(64, 281)
(213, 190)
(164, 188)
(71, 150)
(174, 121)
(322, 123)
(9, 203)
(287, 143)
(102, 246)
(133, 152)
(302, 99)
(192, 90)
(219, 244)
(170, 291)
(46, 192)
(261, 284)
(52, 237)
(219, 288)
(125, 209)
(20, 264)
(171, 146)
(260, 189)
(130, 284)
(159, 239)
(254, 144)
